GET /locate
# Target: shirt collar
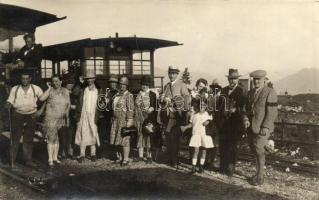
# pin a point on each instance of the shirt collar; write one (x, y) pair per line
(173, 82)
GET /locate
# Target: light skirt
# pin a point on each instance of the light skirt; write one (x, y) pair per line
(205, 141)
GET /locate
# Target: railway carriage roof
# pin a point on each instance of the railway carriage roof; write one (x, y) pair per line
(16, 20)
(74, 49)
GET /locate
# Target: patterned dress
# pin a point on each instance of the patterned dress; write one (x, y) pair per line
(123, 110)
(56, 113)
(142, 104)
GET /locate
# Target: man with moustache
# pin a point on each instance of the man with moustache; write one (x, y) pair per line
(229, 122)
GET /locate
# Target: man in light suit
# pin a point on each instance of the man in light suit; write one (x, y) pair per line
(175, 99)
(260, 117)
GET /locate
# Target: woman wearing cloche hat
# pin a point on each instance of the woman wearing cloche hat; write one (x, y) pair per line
(123, 111)
(145, 118)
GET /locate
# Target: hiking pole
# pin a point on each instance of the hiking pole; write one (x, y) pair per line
(11, 140)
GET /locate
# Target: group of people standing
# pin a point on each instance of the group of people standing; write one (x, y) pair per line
(211, 116)
(220, 117)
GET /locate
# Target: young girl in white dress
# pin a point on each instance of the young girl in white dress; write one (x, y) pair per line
(199, 140)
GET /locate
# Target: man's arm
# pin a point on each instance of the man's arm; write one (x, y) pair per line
(271, 110)
(11, 97)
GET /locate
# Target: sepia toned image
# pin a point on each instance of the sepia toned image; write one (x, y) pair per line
(159, 99)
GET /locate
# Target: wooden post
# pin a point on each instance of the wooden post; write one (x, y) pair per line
(11, 44)
(152, 65)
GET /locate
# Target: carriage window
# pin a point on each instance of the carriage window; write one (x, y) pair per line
(142, 62)
(94, 59)
(46, 69)
(119, 66)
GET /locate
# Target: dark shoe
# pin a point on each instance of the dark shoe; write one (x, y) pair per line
(30, 164)
(57, 162)
(230, 170)
(257, 181)
(201, 169)
(139, 159)
(124, 163)
(81, 160)
(193, 171)
(93, 158)
(69, 156)
(149, 161)
(117, 161)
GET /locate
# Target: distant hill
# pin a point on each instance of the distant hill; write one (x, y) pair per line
(303, 81)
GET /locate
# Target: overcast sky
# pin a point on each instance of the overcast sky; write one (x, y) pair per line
(279, 36)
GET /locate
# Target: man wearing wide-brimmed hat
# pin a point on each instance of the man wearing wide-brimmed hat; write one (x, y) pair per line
(175, 95)
(229, 120)
(260, 117)
(87, 113)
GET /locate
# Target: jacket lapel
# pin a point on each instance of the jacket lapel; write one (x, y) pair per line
(258, 94)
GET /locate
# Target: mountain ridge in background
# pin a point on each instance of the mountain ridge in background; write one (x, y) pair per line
(303, 81)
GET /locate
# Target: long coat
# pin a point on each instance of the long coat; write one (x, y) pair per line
(262, 108)
(123, 111)
(86, 133)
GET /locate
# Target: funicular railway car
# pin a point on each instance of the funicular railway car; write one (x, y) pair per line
(112, 56)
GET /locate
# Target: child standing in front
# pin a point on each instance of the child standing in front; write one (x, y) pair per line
(199, 140)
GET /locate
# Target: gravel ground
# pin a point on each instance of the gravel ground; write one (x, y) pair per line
(104, 179)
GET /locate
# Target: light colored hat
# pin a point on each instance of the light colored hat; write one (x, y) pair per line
(172, 69)
(258, 74)
(89, 74)
(233, 73)
(123, 80)
(215, 82)
(113, 79)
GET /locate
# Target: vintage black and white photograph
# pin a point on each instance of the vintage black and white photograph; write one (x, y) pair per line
(159, 99)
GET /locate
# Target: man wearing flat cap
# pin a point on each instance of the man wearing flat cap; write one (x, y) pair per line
(229, 121)
(174, 91)
(259, 119)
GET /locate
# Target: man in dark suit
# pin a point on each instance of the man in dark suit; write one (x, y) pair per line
(30, 55)
(260, 117)
(229, 122)
(28, 58)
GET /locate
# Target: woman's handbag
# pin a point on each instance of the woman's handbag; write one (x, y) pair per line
(149, 128)
(128, 131)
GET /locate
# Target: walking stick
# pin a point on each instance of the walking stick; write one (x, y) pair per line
(11, 140)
